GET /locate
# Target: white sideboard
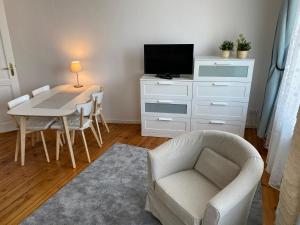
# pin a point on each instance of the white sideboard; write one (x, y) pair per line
(215, 97)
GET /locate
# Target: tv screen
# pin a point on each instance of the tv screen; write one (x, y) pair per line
(173, 59)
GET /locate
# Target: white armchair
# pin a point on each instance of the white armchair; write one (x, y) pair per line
(203, 177)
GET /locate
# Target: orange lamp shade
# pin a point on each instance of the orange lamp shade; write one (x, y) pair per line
(75, 67)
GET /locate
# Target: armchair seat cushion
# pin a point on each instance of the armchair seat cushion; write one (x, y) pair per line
(186, 194)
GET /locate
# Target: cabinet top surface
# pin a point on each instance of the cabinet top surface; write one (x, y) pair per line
(206, 58)
(149, 77)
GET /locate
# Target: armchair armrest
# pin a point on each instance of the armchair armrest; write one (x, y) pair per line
(175, 155)
(232, 204)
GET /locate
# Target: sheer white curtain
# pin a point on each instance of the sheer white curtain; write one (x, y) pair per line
(285, 111)
(288, 209)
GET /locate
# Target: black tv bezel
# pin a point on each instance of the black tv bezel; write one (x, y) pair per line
(169, 75)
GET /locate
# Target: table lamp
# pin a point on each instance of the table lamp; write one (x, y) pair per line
(76, 67)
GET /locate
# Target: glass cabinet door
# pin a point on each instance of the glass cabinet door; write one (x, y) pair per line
(166, 108)
(222, 71)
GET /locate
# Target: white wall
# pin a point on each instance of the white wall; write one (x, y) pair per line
(108, 37)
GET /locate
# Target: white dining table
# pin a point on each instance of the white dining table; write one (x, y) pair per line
(58, 102)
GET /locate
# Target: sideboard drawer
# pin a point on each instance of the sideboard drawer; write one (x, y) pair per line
(166, 89)
(223, 70)
(166, 107)
(164, 126)
(221, 91)
(232, 126)
(218, 109)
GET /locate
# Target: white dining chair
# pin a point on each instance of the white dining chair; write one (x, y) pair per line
(98, 97)
(36, 92)
(77, 122)
(40, 90)
(33, 124)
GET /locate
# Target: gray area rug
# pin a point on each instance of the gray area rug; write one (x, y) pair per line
(111, 191)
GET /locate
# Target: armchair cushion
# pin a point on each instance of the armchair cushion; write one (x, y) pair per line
(186, 194)
(216, 168)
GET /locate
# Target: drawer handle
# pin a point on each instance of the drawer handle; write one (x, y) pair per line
(165, 82)
(165, 101)
(219, 122)
(164, 119)
(222, 64)
(219, 103)
(220, 84)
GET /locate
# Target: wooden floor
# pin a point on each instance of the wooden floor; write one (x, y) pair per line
(24, 189)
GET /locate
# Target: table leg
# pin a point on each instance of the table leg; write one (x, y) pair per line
(22, 138)
(67, 132)
(17, 146)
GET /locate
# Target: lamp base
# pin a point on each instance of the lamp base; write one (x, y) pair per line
(78, 86)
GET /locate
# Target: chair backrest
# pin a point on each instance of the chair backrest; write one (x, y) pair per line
(98, 97)
(40, 90)
(17, 101)
(85, 108)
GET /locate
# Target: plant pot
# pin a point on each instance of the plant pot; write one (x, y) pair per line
(225, 53)
(242, 54)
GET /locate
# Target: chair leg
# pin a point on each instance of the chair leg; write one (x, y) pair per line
(85, 146)
(104, 122)
(33, 139)
(37, 138)
(73, 137)
(98, 129)
(17, 146)
(95, 135)
(58, 141)
(63, 138)
(45, 147)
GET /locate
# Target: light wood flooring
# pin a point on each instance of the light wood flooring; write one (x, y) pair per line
(24, 189)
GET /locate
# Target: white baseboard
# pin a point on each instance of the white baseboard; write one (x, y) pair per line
(7, 126)
(123, 121)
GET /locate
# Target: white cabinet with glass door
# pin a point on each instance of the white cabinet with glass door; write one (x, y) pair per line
(221, 91)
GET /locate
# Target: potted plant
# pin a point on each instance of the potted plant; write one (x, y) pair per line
(225, 48)
(243, 47)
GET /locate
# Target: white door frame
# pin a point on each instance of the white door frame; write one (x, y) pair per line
(13, 79)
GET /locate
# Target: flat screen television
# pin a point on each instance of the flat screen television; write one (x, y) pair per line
(168, 60)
